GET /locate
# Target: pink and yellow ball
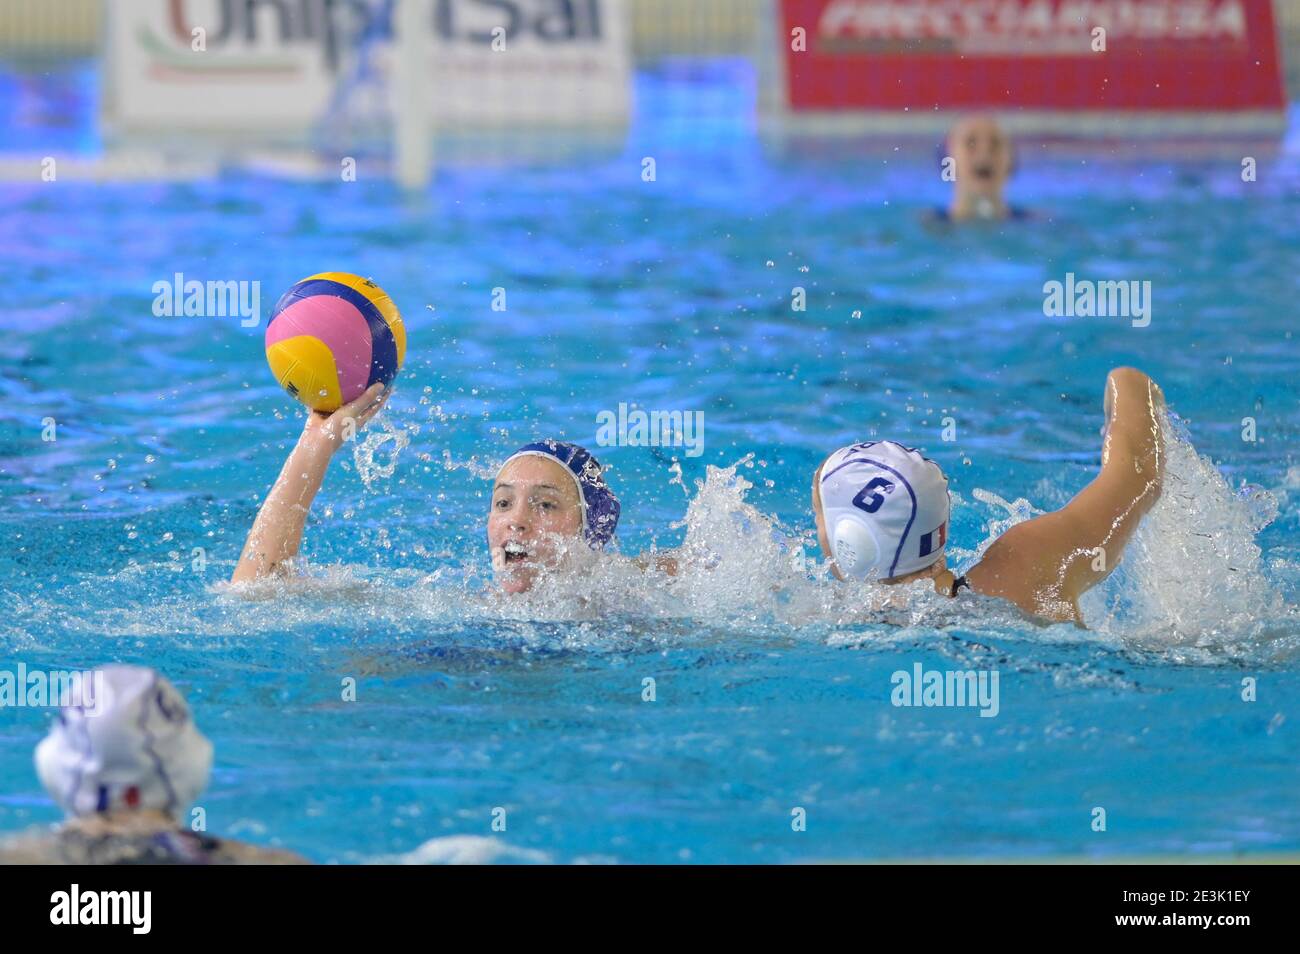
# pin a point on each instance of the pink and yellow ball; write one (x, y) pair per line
(333, 335)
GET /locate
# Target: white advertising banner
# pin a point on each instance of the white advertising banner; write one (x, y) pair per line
(529, 61)
(281, 65)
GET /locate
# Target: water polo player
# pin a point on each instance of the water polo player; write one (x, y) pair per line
(882, 514)
(125, 768)
(335, 341)
(984, 160)
(547, 495)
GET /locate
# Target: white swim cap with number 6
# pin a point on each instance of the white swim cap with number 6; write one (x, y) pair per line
(885, 509)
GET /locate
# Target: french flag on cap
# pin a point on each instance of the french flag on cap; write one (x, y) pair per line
(934, 540)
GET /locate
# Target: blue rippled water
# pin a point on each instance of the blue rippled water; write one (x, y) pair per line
(772, 688)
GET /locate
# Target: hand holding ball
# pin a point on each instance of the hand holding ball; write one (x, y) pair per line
(333, 335)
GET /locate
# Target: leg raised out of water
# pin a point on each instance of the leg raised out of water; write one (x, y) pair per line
(1044, 565)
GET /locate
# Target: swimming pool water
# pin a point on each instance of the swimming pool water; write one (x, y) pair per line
(772, 689)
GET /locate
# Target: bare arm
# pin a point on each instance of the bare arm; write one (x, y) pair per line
(277, 531)
(1044, 565)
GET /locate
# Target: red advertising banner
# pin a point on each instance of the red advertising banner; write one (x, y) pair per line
(1096, 55)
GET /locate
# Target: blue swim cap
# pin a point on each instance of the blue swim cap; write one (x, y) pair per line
(600, 507)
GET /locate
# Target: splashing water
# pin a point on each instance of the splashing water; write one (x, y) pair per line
(737, 567)
(466, 850)
(380, 432)
(1192, 575)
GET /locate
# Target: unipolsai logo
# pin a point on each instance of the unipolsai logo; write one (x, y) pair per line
(496, 23)
(261, 33)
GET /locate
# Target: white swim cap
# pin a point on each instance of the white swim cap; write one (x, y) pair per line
(885, 510)
(134, 746)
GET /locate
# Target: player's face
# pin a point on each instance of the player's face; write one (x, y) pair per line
(535, 516)
(983, 155)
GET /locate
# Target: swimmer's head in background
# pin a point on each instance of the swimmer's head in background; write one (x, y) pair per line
(985, 158)
(883, 509)
(133, 746)
(600, 508)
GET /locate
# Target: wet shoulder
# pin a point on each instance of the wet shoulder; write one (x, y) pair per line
(1001, 580)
